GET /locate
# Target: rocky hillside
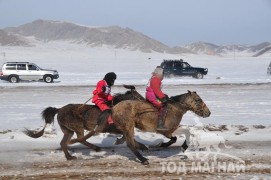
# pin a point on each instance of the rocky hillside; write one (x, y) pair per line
(8, 39)
(115, 37)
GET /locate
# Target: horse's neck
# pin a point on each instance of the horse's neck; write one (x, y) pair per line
(179, 107)
(176, 112)
(180, 101)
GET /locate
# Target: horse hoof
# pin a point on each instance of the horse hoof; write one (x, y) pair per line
(145, 162)
(97, 149)
(183, 157)
(119, 141)
(184, 146)
(71, 158)
(145, 149)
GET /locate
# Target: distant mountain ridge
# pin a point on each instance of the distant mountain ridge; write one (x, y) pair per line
(113, 36)
(94, 36)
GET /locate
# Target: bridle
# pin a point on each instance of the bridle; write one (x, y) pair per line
(201, 108)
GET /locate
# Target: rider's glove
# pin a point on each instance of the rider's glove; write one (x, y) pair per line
(164, 100)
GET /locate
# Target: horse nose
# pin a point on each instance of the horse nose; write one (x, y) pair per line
(207, 114)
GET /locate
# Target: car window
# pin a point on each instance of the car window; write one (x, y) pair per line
(10, 66)
(178, 65)
(168, 64)
(185, 65)
(32, 67)
(21, 66)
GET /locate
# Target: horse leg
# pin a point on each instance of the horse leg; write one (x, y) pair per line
(173, 139)
(129, 136)
(64, 142)
(141, 146)
(98, 129)
(80, 134)
(120, 140)
(187, 134)
(138, 145)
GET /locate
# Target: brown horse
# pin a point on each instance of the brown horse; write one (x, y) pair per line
(140, 114)
(77, 117)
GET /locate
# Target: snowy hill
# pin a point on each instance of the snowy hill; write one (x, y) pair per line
(115, 37)
(212, 49)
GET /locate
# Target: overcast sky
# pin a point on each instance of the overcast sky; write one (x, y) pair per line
(172, 22)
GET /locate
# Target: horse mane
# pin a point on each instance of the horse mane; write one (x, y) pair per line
(122, 96)
(178, 98)
(128, 95)
(131, 87)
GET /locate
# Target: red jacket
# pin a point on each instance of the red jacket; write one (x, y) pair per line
(155, 85)
(99, 94)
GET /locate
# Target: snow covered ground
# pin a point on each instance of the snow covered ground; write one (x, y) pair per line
(236, 89)
(83, 65)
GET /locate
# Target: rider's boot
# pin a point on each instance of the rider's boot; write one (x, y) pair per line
(162, 113)
(104, 116)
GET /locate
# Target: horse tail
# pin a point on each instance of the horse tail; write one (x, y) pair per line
(48, 115)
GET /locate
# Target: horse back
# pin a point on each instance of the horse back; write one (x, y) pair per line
(74, 116)
(134, 113)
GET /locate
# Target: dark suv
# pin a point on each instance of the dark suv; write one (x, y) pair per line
(180, 68)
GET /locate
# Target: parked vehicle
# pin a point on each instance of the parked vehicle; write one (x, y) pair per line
(269, 69)
(180, 68)
(16, 71)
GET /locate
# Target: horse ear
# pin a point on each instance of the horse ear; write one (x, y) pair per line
(131, 87)
(189, 92)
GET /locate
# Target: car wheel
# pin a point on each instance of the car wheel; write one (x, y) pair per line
(13, 79)
(166, 75)
(169, 75)
(199, 75)
(48, 79)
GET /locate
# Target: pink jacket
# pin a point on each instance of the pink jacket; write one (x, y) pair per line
(153, 92)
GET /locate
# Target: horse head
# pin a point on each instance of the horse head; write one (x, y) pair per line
(192, 101)
(197, 105)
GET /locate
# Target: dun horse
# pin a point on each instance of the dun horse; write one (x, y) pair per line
(140, 114)
(77, 117)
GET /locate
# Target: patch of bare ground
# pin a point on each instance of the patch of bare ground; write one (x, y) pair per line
(115, 166)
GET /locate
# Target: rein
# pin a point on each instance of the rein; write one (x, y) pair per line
(135, 96)
(146, 111)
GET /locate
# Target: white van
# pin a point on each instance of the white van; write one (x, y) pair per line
(16, 71)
